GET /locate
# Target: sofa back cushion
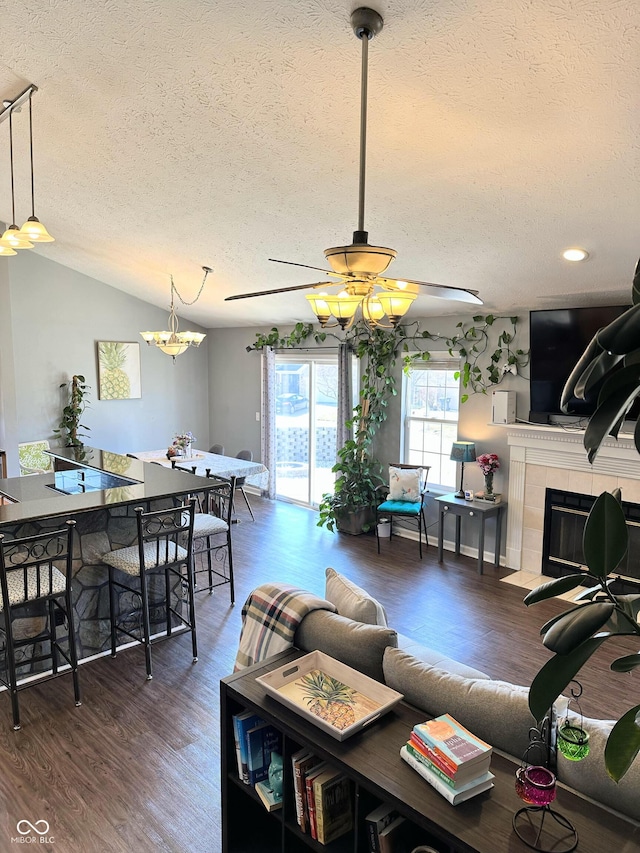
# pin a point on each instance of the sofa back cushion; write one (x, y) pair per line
(358, 645)
(590, 776)
(352, 601)
(495, 711)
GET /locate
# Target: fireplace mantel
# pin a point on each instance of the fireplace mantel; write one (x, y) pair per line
(554, 457)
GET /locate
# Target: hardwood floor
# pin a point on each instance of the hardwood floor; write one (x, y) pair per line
(136, 767)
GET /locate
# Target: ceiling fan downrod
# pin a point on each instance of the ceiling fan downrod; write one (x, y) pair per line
(366, 23)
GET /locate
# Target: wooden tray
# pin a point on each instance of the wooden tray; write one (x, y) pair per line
(363, 700)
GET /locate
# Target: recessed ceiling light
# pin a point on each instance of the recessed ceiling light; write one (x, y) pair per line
(575, 254)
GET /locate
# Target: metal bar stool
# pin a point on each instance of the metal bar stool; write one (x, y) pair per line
(212, 534)
(164, 547)
(35, 577)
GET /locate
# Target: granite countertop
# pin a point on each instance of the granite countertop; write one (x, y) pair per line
(35, 496)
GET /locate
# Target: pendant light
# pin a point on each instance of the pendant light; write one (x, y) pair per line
(12, 236)
(33, 229)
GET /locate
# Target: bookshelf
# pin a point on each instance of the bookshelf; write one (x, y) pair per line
(371, 759)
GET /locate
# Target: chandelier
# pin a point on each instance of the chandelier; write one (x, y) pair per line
(32, 231)
(172, 341)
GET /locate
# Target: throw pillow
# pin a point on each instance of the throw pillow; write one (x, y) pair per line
(352, 601)
(404, 484)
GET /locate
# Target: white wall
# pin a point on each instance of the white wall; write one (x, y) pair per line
(56, 317)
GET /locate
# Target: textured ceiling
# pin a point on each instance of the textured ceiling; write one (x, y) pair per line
(169, 135)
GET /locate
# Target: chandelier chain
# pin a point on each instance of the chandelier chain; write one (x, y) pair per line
(174, 289)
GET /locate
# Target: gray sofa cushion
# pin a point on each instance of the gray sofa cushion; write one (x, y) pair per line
(590, 776)
(437, 659)
(495, 711)
(358, 645)
(352, 601)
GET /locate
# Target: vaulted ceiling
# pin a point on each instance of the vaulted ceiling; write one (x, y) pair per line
(170, 135)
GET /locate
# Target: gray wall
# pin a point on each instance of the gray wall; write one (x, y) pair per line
(51, 320)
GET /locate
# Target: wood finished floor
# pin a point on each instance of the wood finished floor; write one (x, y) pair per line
(136, 767)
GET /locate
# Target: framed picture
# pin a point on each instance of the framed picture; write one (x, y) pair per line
(118, 370)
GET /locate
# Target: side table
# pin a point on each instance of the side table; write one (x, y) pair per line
(470, 509)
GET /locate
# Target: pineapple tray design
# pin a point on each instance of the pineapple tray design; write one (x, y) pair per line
(329, 694)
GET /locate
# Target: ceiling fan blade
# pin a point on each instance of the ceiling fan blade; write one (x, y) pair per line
(306, 266)
(442, 291)
(280, 290)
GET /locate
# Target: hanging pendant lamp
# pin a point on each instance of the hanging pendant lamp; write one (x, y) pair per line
(12, 236)
(33, 229)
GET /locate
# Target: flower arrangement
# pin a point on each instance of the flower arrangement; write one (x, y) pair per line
(184, 439)
(488, 463)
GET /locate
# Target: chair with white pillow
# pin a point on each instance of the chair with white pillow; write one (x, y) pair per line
(212, 535)
(162, 559)
(405, 498)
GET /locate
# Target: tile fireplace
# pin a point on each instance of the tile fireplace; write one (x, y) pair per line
(551, 457)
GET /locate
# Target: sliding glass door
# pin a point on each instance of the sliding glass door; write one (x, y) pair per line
(306, 419)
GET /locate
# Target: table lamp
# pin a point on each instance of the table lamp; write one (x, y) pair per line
(463, 451)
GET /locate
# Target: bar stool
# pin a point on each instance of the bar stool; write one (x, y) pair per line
(35, 577)
(212, 534)
(164, 547)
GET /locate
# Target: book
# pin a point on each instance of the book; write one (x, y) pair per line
(449, 739)
(375, 822)
(301, 762)
(261, 741)
(454, 776)
(311, 803)
(454, 797)
(455, 786)
(333, 805)
(389, 837)
(241, 724)
(270, 801)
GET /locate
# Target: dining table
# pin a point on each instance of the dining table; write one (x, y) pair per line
(256, 473)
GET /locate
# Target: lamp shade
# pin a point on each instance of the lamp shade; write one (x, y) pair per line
(463, 451)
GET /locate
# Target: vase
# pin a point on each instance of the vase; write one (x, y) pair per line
(488, 484)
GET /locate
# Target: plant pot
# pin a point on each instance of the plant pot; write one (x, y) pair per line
(355, 521)
(384, 528)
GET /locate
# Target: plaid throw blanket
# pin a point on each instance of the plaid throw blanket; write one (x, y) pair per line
(270, 617)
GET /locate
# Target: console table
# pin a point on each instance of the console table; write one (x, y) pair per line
(470, 509)
(371, 759)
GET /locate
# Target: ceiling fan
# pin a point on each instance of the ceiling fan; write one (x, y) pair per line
(359, 267)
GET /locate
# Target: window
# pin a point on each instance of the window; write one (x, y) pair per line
(431, 401)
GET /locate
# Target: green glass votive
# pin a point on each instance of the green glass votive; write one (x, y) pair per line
(573, 742)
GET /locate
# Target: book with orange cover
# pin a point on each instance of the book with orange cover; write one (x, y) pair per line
(455, 744)
(457, 776)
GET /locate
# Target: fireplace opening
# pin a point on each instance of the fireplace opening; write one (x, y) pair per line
(564, 519)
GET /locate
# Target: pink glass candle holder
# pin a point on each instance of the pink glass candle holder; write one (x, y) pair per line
(535, 785)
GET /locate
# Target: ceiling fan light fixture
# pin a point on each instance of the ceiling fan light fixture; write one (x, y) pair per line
(395, 303)
(372, 310)
(319, 306)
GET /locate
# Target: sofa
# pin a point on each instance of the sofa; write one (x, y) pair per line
(353, 628)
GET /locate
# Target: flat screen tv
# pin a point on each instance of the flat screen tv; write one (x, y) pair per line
(558, 339)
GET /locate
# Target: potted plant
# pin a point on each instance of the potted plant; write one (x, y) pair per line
(599, 614)
(69, 427)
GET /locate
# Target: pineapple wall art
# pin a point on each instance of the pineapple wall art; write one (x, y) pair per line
(118, 370)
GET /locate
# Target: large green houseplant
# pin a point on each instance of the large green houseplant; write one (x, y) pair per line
(598, 615)
(77, 392)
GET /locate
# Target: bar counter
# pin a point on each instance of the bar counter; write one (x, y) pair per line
(105, 520)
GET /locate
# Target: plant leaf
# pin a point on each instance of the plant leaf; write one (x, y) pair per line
(553, 588)
(605, 539)
(596, 370)
(554, 676)
(626, 663)
(571, 631)
(623, 744)
(605, 417)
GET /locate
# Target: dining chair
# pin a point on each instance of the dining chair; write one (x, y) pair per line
(406, 495)
(163, 552)
(35, 578)
(217, 448)
(247, 455)
(212, 536)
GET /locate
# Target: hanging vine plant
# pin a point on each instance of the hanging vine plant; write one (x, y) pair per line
(358, 473)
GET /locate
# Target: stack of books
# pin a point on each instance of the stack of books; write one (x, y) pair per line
(255, 740)
(451, 759)
(323, 797)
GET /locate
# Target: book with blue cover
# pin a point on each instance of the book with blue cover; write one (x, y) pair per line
(261, 740)
(241, 724)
